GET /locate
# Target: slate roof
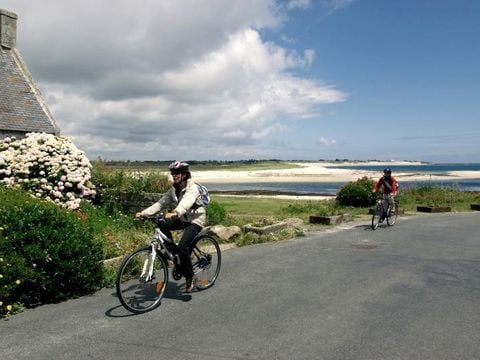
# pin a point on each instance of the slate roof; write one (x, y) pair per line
(22, 107)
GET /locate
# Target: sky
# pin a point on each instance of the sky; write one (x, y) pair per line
(259, 79)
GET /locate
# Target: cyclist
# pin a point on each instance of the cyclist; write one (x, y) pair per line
(188, 215)
(390, 188)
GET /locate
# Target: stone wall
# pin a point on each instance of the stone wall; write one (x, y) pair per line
(133, 203)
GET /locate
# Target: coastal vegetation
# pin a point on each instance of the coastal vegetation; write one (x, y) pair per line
(224, 165)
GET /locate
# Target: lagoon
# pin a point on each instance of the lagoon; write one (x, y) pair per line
(331, 188)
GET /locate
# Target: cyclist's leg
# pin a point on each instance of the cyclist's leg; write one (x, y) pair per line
(169, 225)
(391, 203)
(384, 207)
(166, 228)
(185, 246)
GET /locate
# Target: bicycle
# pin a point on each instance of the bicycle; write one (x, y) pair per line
(143, 276)
(382, 211)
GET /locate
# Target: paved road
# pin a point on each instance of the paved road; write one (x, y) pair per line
(411, 291)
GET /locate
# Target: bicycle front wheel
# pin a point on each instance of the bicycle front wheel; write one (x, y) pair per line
(206, 261)
(377, 215)
(392, 216)
(141, 280)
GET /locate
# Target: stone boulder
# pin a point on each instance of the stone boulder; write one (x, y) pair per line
(224, 233)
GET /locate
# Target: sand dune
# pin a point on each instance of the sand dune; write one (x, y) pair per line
(319, 172)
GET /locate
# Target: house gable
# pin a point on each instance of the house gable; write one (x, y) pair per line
(22, 107)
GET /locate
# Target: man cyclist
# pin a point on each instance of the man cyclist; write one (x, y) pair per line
(390, 188)
(188, 215)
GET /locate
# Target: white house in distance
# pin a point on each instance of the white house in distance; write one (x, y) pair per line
(22, 107)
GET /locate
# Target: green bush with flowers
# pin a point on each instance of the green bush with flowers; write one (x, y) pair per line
(48, 166)
(48, 253)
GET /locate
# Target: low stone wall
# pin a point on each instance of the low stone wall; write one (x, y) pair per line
(330, 220)
(434, 209)
(267, 229)
(133, 203)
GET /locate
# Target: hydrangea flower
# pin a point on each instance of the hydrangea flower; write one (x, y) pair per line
(48, 166)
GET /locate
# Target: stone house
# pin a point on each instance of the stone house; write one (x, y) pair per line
(22, 107)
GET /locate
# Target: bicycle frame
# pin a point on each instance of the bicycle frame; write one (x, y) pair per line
(385, 206)
(159, 240)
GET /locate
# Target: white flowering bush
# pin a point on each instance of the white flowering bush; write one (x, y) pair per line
(48, 166)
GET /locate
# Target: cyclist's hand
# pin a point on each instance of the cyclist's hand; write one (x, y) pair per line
(138, 215)
(170, 215)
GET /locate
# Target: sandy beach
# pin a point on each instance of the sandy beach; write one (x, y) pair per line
(321, 172)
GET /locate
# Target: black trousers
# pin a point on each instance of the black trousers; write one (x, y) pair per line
(186, 242)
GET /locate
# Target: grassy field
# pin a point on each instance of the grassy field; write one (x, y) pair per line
(242, 210)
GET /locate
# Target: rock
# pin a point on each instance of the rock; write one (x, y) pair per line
(224, 233)
(265, 229)
(294, 222)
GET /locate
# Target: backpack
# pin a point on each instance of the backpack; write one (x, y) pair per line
(204, 196)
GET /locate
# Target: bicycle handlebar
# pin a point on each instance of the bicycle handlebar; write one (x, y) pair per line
(157, 219)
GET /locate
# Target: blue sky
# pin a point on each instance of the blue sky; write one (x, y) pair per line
(410, 69)
(226, 79)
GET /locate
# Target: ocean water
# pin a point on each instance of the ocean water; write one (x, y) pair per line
(331, 188)
(436, 169)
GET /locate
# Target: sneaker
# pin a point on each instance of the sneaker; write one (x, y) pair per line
(190, 284)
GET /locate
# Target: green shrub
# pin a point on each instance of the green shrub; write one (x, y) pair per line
(119, 233)
(111, 183)
(10, 278)
(216, 213)
(437, 195)
(357, 193)
(51, 251)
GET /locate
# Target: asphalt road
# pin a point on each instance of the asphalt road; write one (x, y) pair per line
(411, 291)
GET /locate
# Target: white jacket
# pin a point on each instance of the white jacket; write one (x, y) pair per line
(183, 205)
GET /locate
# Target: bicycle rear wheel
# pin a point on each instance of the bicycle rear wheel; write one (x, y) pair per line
(377, 215)
(206, 261)
(392, 216)
(141, 280)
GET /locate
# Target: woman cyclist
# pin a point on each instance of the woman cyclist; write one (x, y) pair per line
(188, 215)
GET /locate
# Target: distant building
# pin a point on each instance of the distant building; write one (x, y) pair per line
(22, 107)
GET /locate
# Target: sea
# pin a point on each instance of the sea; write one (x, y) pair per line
(331, 188)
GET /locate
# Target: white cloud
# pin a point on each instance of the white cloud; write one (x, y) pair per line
(327, 142)
(338, 4)
(168, 78)
(298, 4)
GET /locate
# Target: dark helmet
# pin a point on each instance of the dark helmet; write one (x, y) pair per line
(387, 171)
(180, 167)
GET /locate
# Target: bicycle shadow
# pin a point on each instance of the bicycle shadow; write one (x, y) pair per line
(173, 291)
(368, 227)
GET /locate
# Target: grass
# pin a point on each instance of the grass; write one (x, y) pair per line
(438, 196)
